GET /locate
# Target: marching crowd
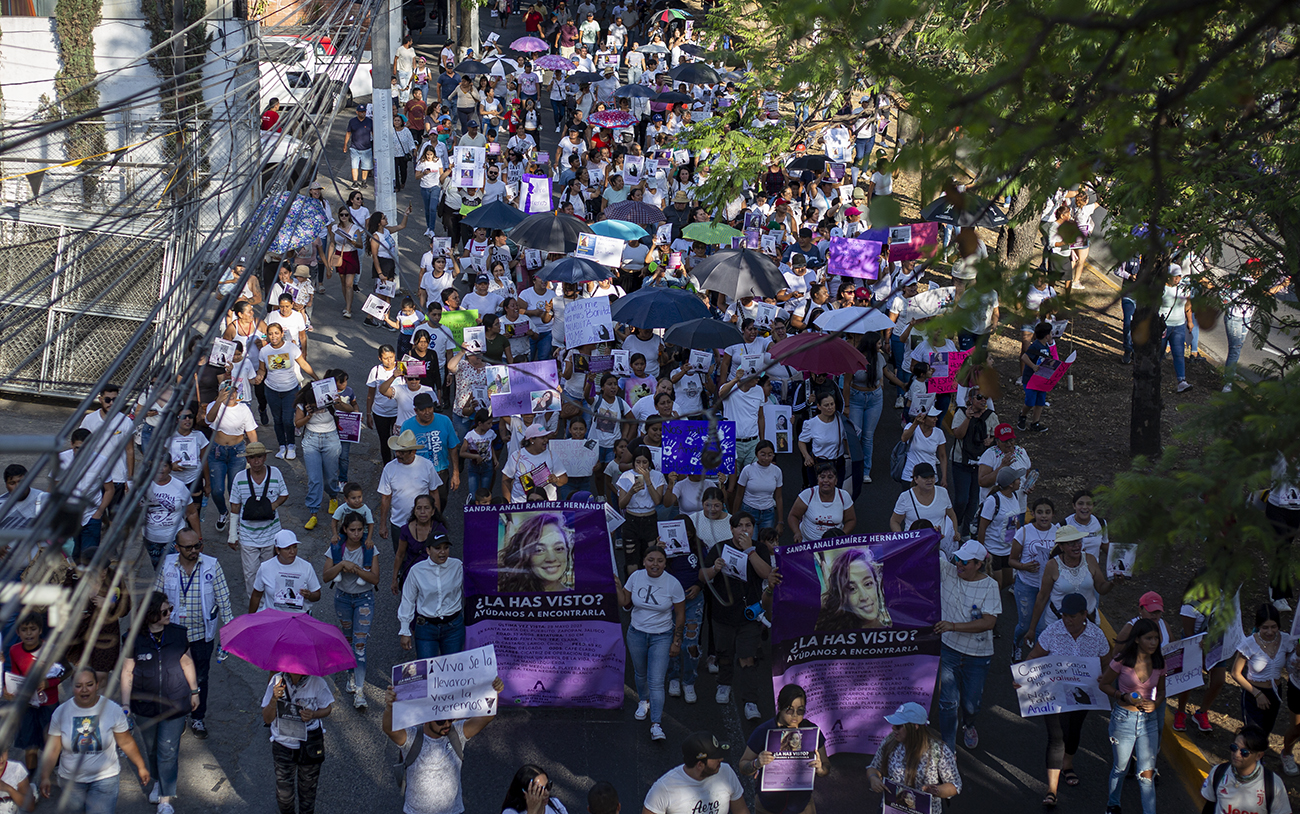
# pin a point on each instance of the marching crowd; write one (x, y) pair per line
(255, 414)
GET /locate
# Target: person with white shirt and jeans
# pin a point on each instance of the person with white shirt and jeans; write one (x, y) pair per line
(657, 601)
(285, 583)
(429, 616)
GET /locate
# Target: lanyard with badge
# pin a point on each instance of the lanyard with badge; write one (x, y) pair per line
(184, 610)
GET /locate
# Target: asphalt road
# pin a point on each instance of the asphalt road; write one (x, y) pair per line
(232, 769)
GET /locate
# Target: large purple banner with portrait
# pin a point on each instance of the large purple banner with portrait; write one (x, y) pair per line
(853, 624)
(539, 587)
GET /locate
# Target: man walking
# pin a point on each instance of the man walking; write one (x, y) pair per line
(285, 583)
(702, 783)
(256, 495)
(359, 144)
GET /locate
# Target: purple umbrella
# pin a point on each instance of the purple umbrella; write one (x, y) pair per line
(529, 45)
(288, 642)
(612, 118)
(555, 62)
(637, 212)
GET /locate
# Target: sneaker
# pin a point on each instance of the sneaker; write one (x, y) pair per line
(898, 403)
(751, 712)
(1126, 358)
(334, 505)
(311, 523)
(153, 794)
(688, 692)
(166, 808)
(222, 520)
(642, 710)
(1183, 386)
(866, 478)
(713, 665)
(1037, 427)
(359, 701)
(292, 453)
(723, 695)
(1022, 423)
(970, 738)
(1202, 721)
(347, 315)
(199, 729)
(675, 689)
(1289, 767)
(1180, 721)
(352, 685)
(279, 453)
(1015, 654)
(657, 733)
(1227, 388)
(1282, 605)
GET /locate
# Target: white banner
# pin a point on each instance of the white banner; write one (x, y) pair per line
(607, 251)
(1183, 663)
(445, 688)
(1049, 685)
(778, 424)
(587, 322)
(575, 456)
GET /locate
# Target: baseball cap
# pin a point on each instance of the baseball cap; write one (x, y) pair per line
(934, 412)
(852, 212)
(1151, 601)
(923, 470)
(1004, 432)
(971, 550)
(285, 538)
(482, 278)
(423, 401)
(471, 123)
(1072, 604)
(361, 107)
(909, 713)
(535, 431)
(702, 746)
(1006, 477)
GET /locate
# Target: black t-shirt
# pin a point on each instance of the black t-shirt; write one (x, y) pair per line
(362, 131)
(159, 688)
(742, 592)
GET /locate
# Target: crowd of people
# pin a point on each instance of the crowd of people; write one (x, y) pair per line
(960, 468)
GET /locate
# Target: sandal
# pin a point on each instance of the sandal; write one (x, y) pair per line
(1049, 801)
(1070, 778)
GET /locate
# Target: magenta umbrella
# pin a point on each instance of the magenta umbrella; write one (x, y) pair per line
(554, 62)
(612, 118)
(818, 353)
(529, 45)
(288, 642)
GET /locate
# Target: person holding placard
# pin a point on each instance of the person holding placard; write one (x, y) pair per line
(532, 465)
(1072, 637)
(540, 310)
(915, 757)
(384, 252)
(640, 491)
(736, 570)
(1135, 681)
(928, 445)
(657, 602)
(321, 448)
(381, 410)
(791, 714)
(275, 369)
(295, 706)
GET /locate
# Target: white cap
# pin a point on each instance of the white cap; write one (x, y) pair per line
(285, 538)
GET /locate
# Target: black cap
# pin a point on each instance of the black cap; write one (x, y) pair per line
(1072, 604)
(702, 746)
(423, 401)
(923, 470)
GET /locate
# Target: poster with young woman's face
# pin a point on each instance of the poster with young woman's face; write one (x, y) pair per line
(535, 552)
(852, 590)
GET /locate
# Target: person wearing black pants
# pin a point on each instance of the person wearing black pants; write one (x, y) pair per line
(1282, 508)
(289, 698)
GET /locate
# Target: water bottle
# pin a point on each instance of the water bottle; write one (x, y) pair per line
(975, 614)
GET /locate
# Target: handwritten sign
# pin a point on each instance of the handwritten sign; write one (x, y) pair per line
(587, 322)
(947, 383)
(1050, 373)
(537, 194)
(1050, 685)
(445, 688)
(1184, 661)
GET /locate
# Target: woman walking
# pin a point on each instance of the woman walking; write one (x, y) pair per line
(355, 567)
(346, 239)
(658, 605)
(275, 370)
(1135, 681)
(914, 755)
(321, 448)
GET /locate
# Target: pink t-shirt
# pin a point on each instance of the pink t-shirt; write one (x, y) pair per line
(1128, 683)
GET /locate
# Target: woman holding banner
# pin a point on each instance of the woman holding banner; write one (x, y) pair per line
(658, 605)
(791, 712)
(639, 492)
(1071, 637)
(915, 757)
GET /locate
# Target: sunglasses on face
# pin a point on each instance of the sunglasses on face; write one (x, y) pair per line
(1233, 749)
(795, 710)
(185, 416)
(189, 547)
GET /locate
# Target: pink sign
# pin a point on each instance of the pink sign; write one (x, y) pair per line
(947, 384)
(1049, 373)
(913, 241)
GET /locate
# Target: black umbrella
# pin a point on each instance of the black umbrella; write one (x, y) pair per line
(694, 73)
(470, 66)
(495, 215)
(586, 76)
(739, 273)
(814, 161)
(965, 209)
(703, 334)
(549, 232)
(635, 92)
(692, 49)
(672, 97)
(574, 270)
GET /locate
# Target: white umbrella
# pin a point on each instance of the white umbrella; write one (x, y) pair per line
(501, 66)
(854, 320)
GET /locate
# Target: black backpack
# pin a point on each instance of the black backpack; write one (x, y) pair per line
(258, 509)
(1221, 771)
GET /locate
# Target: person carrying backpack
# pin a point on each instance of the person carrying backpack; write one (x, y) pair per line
(1243, 785)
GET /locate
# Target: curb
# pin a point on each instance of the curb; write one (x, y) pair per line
(1178, 749)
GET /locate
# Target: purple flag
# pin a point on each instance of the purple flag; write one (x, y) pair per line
(854, 257)
(539, 587)
(858, 659)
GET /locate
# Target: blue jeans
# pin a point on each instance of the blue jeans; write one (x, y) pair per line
(961, 688)
(899, 349)
(224, 463)
(763, 518)
(862, 147)
(574, 485)
(1129, 306)
(432, 641)
(478, 476)
(281, 406)
(1025, 595)
(1194, 345)
(320, 456)
(162, 744)
(965, 493)
(345, 455)
(90, 535)
(864, 411)
(1133, 732)
(1175, 339)
(1236, 329)
(98, 797)
(557, 108)
(430, 196)
(541, 346)
(649, 653)
(685, 667)
(355, 612)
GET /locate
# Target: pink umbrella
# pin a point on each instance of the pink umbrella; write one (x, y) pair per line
(288, 642)
(612, 118)
(818, 353)
(555, 62)
(529, 45)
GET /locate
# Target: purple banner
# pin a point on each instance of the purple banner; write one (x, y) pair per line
(539, 587)
(524, 388)
(858, 654)
(855, 257)
(686, 442)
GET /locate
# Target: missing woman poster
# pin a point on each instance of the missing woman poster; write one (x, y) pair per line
(511, 388)
(853, 624)
(539, 588)
(793, 751)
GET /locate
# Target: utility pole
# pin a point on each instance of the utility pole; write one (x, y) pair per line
(381, 62)
(474, 41)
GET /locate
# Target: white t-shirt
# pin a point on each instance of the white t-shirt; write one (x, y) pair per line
(280, 583)
(188, 449)
(653, 600)
(912, 508)
(821, 516)
(823, 438)
(234, 420)
(14, 774)
(1003, 515)
(761, 484)
(1036, 544)
(484, 304)
(605, 428)
(433, 783)
(924, 449)
(404, 483)
(383, 405)
(742, 406)
(114, 450)
(537, 301)
(1235, 796)
(165, 510)
(523, 462)
(292, 324)
(992, 457)
(1094, 534)
(960, 599)
(280, 375)
(405, 399)
(678, 793)
(313, 692)
(431, 285)
(89, 748)
(641, 502)
(648, 347)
